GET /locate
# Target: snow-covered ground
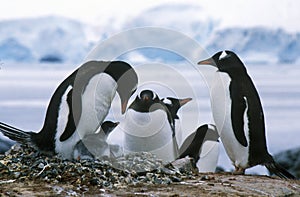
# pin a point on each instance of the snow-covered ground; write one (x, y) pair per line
(26, 89)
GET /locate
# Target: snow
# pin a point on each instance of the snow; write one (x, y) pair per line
(258, 44)
(59, 39)
(35, 39)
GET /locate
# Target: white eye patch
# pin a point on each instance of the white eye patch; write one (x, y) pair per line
(167, 101)
(223, 55)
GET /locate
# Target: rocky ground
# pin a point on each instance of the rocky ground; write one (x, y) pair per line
(200, 185)
(24, 172)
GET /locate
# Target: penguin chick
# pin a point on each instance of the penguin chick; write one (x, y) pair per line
(94, 145)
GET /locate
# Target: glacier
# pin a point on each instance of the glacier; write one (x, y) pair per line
(50, 38)
(63, 40)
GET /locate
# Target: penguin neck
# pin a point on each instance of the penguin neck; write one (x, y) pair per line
(97, 98)
(237, 76)
(140, 106)
(105, 90)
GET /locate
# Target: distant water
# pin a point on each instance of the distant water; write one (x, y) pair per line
(26, 90)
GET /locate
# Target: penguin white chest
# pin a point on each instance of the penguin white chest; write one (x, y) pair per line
(96, 100)
(221, 106)
(146, 132)
(95, 103)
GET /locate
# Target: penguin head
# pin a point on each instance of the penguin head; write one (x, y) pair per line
(108, 126)
(126, 79)
(174, 104)
(226, 61)
(146, 101)
(147, 96)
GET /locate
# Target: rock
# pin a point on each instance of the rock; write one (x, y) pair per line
(290, 160)
(5, 144)
(22, 169)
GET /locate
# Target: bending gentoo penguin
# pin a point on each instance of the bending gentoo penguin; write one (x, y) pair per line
(238, 115)
(148, 127)
(94, 145)
(203, 146)
(79, 106)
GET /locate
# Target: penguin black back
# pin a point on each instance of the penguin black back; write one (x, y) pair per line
(120, 71)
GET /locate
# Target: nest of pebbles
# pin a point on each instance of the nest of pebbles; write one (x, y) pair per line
(22, 163)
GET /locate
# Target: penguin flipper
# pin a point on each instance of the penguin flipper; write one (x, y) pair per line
(238, 109)
(277, 169)
(70, 127)
(15, 134)
(192, 144)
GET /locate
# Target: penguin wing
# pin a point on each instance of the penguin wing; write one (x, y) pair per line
(238, 109)
(81, 80)
(70, 127)
(192, 144)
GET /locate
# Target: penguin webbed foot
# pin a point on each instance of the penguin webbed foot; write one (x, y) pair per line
(238, 171)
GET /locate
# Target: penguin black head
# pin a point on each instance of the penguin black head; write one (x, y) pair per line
(174, 104)
(146, 101)
(126, 78)
(226, 61)
(147, 96)
(108, 126)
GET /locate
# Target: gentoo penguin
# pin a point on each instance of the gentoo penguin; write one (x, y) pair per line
(148, 127)
(173, 105)
(79, 106)
(203, 146)
(238, 115)
(94, 145)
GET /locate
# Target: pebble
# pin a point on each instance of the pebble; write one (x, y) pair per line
(23, 163)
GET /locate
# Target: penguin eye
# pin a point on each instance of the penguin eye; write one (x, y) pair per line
(223, 55)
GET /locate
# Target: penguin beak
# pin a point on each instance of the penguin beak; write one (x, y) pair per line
(184, 101)
(146, 98)
(124, 105)
(208, 61)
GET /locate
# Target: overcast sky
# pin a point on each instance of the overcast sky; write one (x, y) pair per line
(272, 13)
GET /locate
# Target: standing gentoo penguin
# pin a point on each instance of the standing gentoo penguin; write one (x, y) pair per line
(238, 115)
(203, 146)
(79, 106)
(148, 127)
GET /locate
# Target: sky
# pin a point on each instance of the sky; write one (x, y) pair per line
(271, 13)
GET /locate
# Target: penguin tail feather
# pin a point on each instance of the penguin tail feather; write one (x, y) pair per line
(15, 134)
(278, 170)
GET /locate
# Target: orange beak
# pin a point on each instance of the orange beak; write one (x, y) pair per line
(208, 61)
(184, 101)
(124, 105)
